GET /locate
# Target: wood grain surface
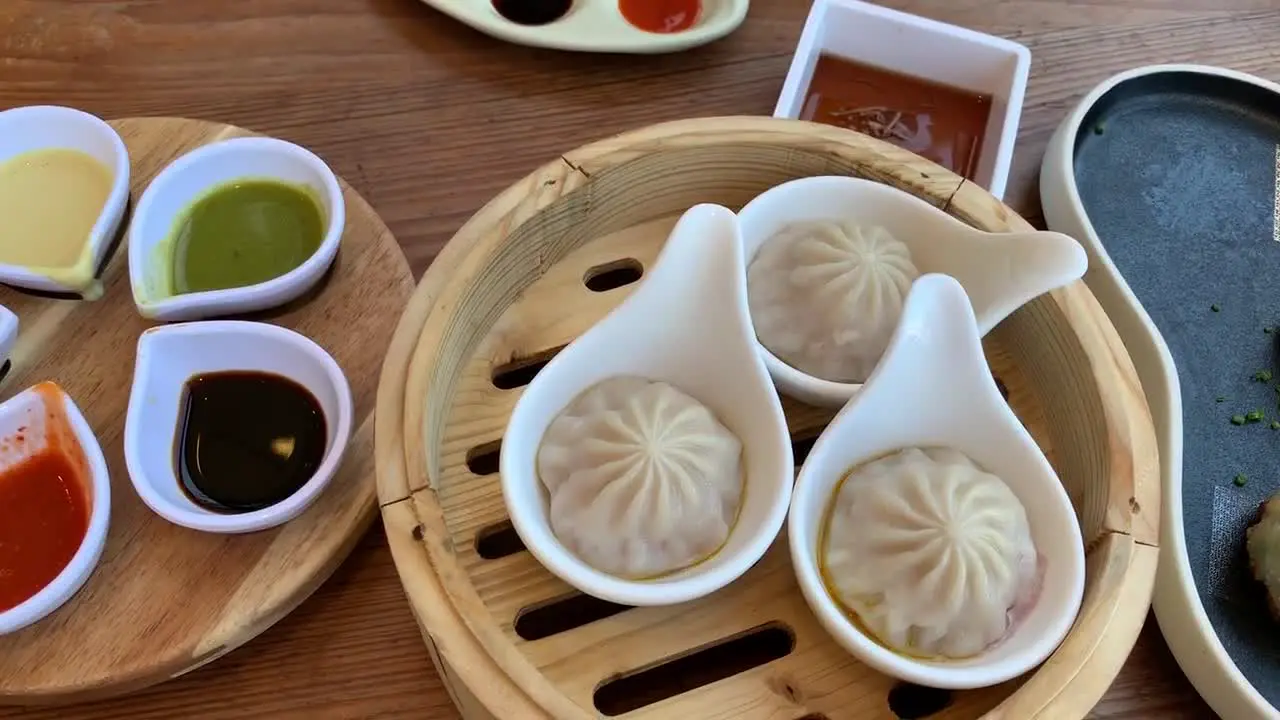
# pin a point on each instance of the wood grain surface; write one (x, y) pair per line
(164, 599)
(428, 120)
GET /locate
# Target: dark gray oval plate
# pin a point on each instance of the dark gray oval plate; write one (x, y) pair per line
(1168, 175)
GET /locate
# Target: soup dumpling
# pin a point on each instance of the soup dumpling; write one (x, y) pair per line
(643, 479)
(826, 296)
(931, 553)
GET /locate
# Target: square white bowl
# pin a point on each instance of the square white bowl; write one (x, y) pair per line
(922, 48)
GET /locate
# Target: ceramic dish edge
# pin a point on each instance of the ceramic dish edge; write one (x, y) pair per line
(1182, 617)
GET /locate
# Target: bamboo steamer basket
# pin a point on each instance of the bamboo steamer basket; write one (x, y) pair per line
(552, 255)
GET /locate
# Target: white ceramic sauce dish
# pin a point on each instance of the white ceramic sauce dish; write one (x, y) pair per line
(685, 324)
(999, 271)
(934, 389)
(187, 179)
(925, 49)
(598, 26)
(42, 127)
(169, 356)
(27, 414)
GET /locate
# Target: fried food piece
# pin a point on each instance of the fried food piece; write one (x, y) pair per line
(1262, 541)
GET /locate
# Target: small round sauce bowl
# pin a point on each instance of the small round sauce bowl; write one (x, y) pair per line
(168, 357)
(38, 128)
(44, 419)
(999, 271)
(189, 178)
(934, 389)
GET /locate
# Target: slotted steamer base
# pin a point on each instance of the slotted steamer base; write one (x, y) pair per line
(550, 256)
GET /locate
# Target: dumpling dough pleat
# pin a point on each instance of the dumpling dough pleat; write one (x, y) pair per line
(931, 552)
(825, 297)
(643, 479)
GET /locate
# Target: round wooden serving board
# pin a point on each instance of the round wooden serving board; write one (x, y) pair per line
(165, 600)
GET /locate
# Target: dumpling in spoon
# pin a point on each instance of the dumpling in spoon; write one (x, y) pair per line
(932, 553)
(825, 296)
(643, 479)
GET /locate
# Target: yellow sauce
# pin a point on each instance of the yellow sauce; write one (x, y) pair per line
(49, 200)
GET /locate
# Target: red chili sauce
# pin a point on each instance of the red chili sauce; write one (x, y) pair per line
(44, 515)
(661, 16)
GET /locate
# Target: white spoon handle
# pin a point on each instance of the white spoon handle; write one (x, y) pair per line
(933, 375)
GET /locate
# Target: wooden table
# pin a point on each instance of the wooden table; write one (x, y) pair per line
(428, 120)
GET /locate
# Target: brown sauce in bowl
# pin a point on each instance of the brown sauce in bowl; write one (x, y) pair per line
(941, 123)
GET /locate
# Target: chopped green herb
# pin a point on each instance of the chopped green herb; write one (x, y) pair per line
(1254, 416)
(1262, 376)
(1221, 398)
(1268, 330)
(1275, 425)
(1099, 129)
(1240, 480)
(1237, 419)
(1214, 307)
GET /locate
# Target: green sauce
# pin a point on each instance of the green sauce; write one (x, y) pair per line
(243, 233)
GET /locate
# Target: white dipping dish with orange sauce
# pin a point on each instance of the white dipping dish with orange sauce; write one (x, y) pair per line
(55, 504)
(64, 185)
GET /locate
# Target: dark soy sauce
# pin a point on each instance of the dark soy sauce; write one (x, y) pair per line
(247, 440)
(532, 12)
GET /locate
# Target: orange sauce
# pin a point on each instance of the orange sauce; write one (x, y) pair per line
(44, 506)
(44, 514)
(661, 16)
(941, 123)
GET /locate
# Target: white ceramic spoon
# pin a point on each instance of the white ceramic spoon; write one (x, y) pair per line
(686, 324)
(999, 271)
(598, 26)
(933, 388)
